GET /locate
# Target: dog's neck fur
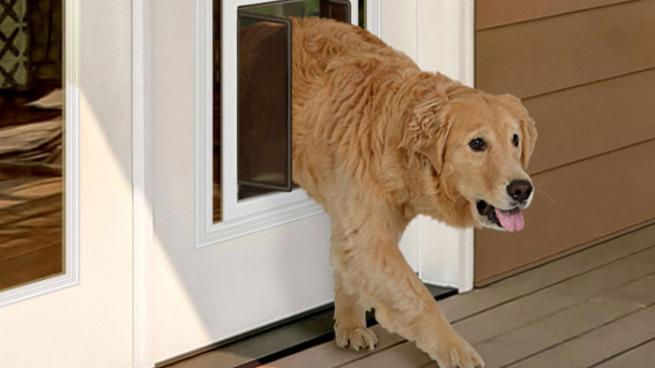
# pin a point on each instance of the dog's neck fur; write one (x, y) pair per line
(435, 196)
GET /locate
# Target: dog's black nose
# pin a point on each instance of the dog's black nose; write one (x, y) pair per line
(520, 190)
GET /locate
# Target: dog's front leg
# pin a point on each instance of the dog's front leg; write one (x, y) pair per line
(374, 270)
(350, 320)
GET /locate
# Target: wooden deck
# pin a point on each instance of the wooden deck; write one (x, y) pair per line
(595, 308)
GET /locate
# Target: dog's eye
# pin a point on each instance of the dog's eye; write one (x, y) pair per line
(478, 144)
(515, 140)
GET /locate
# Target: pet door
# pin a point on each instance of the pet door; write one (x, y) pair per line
(264, 91)
(244, 129)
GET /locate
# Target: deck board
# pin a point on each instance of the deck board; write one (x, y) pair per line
(329, 355)
(567, 324)
(597, 345)
(404, 355)
(535, 306)
(642, 356)
(542, 320)
(591, 309)
(594, 308)
(465, 305)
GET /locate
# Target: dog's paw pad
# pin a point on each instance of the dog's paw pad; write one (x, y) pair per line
(358, 338)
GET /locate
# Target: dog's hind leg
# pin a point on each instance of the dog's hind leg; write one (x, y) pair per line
(350, 320)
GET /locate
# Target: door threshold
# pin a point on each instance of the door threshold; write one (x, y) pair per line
(275, 341)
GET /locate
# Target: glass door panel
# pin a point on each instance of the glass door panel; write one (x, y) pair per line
(31, 141)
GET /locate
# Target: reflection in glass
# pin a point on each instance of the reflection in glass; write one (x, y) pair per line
(31, 141)
(217, 204)
(333, 9)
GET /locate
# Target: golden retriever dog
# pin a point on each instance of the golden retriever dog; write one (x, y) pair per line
(377, 141)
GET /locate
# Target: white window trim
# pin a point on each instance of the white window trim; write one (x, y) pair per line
(245, 216)
(72, 116)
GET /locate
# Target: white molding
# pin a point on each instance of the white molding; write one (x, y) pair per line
(373, 17)
(466, 260)
(419, 24)
(446, 44)
(467, 50)
(71, 171)
(446, 255)
(239, 217)
(231, 229)
(142, 211)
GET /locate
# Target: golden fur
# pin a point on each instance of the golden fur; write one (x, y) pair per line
(377, 141)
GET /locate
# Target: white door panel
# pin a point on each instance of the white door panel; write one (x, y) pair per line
(173, 296)
(90, 324)
(202, 295)
(205, 294)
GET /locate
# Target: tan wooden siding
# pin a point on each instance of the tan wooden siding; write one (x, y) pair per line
(586, 121)
(586, 72)
(573, 206)
(550, 54)
(494, 13)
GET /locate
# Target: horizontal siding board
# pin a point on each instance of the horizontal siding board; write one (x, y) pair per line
(589, 120)
(494, 13)
(574, 205)
(533, 58)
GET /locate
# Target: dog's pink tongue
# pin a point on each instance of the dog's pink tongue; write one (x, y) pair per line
(511, 221)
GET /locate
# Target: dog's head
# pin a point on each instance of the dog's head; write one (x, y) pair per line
(478, 146)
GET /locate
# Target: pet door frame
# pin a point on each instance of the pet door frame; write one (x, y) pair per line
(240, 217)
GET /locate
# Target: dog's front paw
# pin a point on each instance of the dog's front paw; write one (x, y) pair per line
(455, 352)
(355, 338)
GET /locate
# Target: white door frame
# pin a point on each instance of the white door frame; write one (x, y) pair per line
(143, 229)
(444, 42)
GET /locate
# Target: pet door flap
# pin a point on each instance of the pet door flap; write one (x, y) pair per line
(264, 104)
(264, 90)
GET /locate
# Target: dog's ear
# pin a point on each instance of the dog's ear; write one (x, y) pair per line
(528, 129)
(428, 130)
